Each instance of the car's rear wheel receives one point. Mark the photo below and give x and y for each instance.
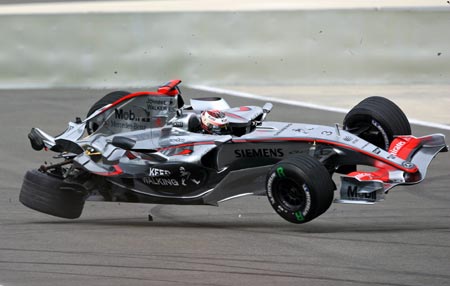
(299, 188)
(111, 97)
(51, 195)
(377, 120)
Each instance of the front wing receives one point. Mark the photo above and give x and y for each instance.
(369, 187)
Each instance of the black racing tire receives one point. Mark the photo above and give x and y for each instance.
(51, 195)
(377, 120)
(299, 188)
(111, 97)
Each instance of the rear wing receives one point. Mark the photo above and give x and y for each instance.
(135, 111)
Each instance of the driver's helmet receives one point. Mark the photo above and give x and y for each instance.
(215, 122)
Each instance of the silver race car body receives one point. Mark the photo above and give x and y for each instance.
(148, 147)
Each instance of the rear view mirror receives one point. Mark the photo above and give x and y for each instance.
(267, 107)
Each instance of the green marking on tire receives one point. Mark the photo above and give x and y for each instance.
(280, 172)
(299, 216)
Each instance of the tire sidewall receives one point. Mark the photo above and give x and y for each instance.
(287, 171)
(381, 114)
(49, 194)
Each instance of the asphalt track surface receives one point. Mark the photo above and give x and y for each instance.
(402, 241)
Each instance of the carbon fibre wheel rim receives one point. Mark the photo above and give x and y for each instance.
(290, 194)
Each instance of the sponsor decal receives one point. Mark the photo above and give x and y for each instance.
(348, 138)
(269, 188)
(280, 172)
(178, 124)
(161, 181)
(158, 104)
(263, 152)
(154, 172)
(177, 140)
(300, 130)
(391, 157)
(352, 193)
(179, 177)
(297, 152)
(128, 115)
(364, 176)
(185, 175)
(126, 125)
(161, 106)
(397, 147)
(308, 199)
(376, 151)
(299, 216)
(283, 129)
(408, 165)
(157, 101)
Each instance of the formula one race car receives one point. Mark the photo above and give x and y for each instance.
(149, 147)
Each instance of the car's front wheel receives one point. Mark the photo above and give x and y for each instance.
(377, 120)
(299, 188)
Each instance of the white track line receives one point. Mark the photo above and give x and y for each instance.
(74, 7)
(303, 104)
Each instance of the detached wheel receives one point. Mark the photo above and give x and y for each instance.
(299, 188)
(107, 99)
(51, 195)
(377, 120)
